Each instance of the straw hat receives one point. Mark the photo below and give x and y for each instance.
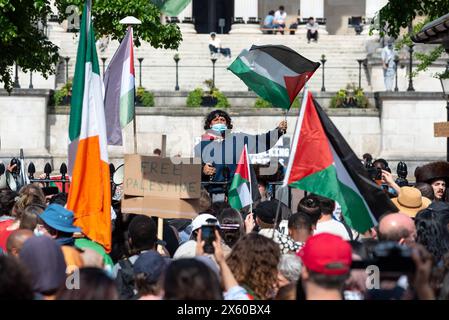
(410, 201)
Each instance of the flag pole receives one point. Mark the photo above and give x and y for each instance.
(134, 129)
(281, 191)
(134, 113)
(250, 180)
(290, 160)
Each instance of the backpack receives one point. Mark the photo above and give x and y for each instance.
(125, 280)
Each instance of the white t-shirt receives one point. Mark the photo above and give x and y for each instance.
(216, 43)
(332, 227)
(279, 17)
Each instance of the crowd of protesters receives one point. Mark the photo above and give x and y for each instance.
(246, 256)
(44, 256)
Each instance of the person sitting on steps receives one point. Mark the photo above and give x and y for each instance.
(215, 47)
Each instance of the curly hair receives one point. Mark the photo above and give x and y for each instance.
(432, 232)
(254, 262)
(32, 189)
(24, 201)
(217, 113)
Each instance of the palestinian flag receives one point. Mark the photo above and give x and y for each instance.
(243, 190)
(119, 85)
(276, 73)
(90, 191)
(322, 162)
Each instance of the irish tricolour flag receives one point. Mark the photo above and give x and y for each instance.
(119, 85)
(321, 162)
(90, 191)
(240, 192)
(276, 73)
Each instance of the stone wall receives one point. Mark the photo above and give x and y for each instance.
(400, 128)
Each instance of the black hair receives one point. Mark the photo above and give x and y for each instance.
(231, 216)
(281, 8)
(7, 201)
(383, 164)
(328, 281)
(171, 238)
(310, 205)
(157, 151)
(432, 231)
(191, 279)
(367, 157)
(310, 18)
(271, 12)
(327, 206)
(144, 287)
(57, 233)
(94, 284)
(15, 282)
(217, 113)
(59, 198)
(142, 232)
(300, 221)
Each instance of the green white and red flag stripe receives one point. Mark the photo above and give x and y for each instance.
(240, 192)
(321, 162)
(119, 81)
(275, 72)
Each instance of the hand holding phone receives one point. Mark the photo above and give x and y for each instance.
(208, 237)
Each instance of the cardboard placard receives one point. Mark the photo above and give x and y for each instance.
(161, 207)
(441, 129)
(159, 177)
(158, 187)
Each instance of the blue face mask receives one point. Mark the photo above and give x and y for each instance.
(220, 127)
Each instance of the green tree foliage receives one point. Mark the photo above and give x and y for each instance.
(108, 13)
(397, 14)
(22, 41)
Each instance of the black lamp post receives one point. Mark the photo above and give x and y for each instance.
(140, 71)
(323, 61)
(410, 69)
(67, 69)
(396, 63)
(213, 71)
(31, 80)
(16, 83)
(360, 61)
(103, 60)
(445, 86)
(176, 58)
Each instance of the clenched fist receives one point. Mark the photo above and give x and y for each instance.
(209, 170)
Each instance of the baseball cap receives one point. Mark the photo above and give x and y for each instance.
(152, 264)
(201, 220)
(327, 254)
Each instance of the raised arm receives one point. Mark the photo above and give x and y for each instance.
(261, 142)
